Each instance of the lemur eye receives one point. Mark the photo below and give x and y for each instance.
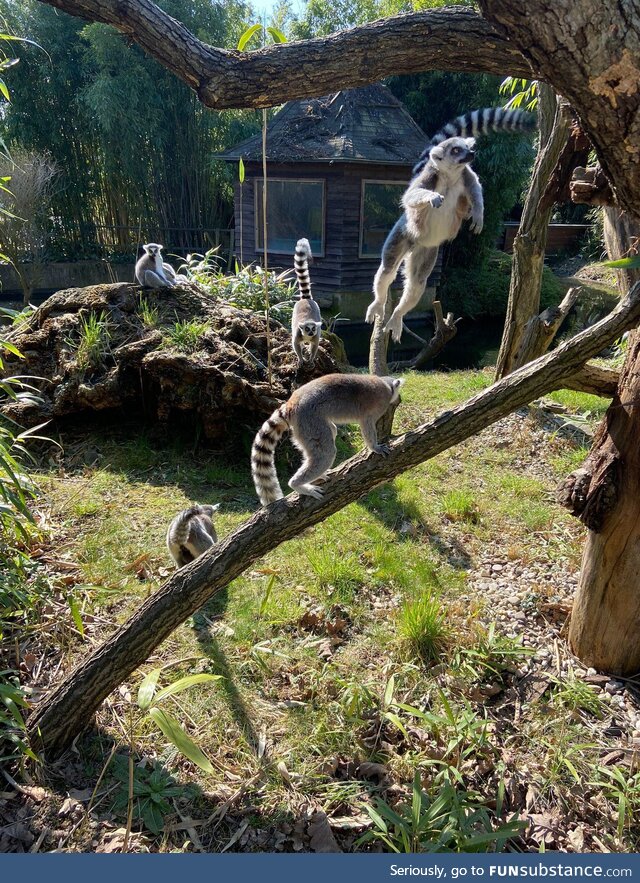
(455, 150)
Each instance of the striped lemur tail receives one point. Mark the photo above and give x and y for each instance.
(301, 262)
(479, 122)
(263, 468)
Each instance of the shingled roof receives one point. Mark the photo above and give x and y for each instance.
(367, 125)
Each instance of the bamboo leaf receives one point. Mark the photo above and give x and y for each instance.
(147, 688)
(278, 36)
(185, 683)
(241, 170)
(177, 736)
(623, 263)
(75, 614)
(248, 34)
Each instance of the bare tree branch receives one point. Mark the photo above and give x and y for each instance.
(455, 39)
(71, 704)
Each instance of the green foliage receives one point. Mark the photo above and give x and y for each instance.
(149, 697)
(148, 313)
(483, 289)
(186, 335)
(93, 343)
(152, 790)
(449, 820)
(133, 141)
(524, 93)
(422, 624)
(245, 287)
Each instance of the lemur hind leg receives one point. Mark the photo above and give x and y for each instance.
(417, 269)
(152, 280)
(393, 251)
(319, 453)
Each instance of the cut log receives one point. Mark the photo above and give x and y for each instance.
(70, 706)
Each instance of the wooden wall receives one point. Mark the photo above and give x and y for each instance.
(340, 268)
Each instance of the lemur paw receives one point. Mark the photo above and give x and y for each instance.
(394, 325)
(436, 200)
(374, 309)
(477, 223)
(384, 450)
(310, 490)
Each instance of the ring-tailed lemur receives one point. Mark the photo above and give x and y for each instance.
(191, 533)
(306, 321)
(311, 414)
(443, 192)
(152, 272)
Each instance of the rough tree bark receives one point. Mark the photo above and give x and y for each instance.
(455, 39)
(531, 238)
(604, 494)
(541, 329)
(69, 707)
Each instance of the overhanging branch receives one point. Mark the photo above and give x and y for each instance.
(60, 717)
(453, 39)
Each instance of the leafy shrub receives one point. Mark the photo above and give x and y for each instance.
(244, 288)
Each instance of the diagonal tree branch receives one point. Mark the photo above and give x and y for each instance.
(63, 714)
(455, 39)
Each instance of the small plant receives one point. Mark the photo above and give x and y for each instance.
(460, 505)
(149, 697)
(92, 345)
(421, 623)
(339, 576)
(148, 313)
(451, 820)
(575, 695)
(490, 655)
(152, 789)
(186, 336)
(13, 731)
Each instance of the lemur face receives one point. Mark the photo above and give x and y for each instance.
(454, 151)
(152, 249)
(310, 330)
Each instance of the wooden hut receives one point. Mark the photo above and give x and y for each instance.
(337, 167)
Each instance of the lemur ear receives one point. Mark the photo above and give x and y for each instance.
(471, 143)
(318, 324)
(437, 153)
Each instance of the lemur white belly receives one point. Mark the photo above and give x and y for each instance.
(443, 222)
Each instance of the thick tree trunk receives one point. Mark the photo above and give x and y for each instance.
(531, 238)
(60, 717)
(605, 494)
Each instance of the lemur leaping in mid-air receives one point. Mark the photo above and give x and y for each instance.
(443, 192)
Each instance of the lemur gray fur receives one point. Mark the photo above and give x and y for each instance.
(312, 414)
(306, 322)
(152, 272)
(191, 533)
(443, 192)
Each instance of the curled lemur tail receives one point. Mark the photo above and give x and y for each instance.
(301, 263)
(263, 468)
(479, 122)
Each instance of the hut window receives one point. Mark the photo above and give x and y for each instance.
(294, 209)
(380, 210)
